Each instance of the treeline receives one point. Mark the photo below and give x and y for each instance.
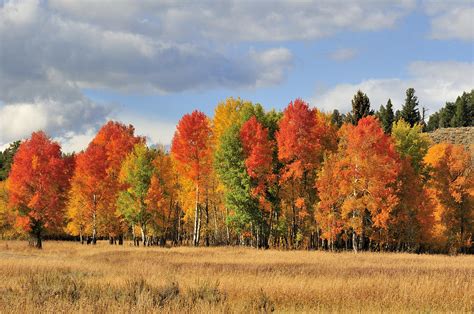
(297, 179)
(454, 114)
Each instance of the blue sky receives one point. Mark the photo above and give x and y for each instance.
(67, 66)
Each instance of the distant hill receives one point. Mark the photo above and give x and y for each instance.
(463, 136)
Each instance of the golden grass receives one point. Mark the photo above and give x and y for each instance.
(68, 277)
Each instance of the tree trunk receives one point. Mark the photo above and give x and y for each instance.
(35, 240)
(215, 224)
(294, 233)
(198, 239)
(133, 235)
(94, 222)
(196, 219)
(207, 221)
(227, 226)
(142, 229)
(354, 241)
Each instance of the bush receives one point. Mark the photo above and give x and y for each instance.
(206, 292)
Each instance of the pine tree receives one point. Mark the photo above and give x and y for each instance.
(446, 115)
(433, 122)
(360, 107)
(336, 118)
(410, 112)
(6, 159)
(398, 115)
(386, 117)
(461, 112)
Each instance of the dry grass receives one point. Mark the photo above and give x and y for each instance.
(68, 277)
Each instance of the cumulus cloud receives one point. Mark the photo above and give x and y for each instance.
(155, 130)
(434, 82)
(76, 141)
(451, 19)
(238, 20)
(18, 120)
(49, 54)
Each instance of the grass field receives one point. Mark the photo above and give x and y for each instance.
(68, 277)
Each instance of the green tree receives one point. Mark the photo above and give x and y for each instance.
(337, 118)
(457, 114)
(360, 108)
(433, 122)
(230, 166)
(411, 143)
(6, 159)
(446, 115)
(136, 174)
(410, 112)
(245, 214)
(386, 117)
(464, 110)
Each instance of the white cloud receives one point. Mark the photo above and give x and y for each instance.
(48, 57)
(76, 142)
(270, 74)
(19, 120)
(451, 19)
(155, 130)
(237, 20)
(343, 54)
(435, 83)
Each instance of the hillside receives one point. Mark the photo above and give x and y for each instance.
(463, 136)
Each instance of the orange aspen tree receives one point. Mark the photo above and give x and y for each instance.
(367, 170)
(38, 184)
(452, 190)
(191, 147)
(96, 179)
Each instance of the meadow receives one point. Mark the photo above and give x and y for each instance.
(70, 277)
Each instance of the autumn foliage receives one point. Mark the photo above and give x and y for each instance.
(358, 193)
(95, 184)
(38, 185)
(292, 179)
(191, 148)
(451, 187)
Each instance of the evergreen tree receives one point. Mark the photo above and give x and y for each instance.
(446, 115)
(360, 107)
(470, 107)
(336, 118)
(6, 159)
(433, 122)
(460, 118)
(410, 112)
(463, 112)
(457, 114)
(386, 117)
(398, 115)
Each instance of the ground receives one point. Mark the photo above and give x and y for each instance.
(69, 277)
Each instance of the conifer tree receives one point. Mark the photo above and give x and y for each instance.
(360, 107)
(410, 112)
(386, 117)
(337, 118)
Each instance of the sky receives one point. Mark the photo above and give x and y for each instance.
(66, 67)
